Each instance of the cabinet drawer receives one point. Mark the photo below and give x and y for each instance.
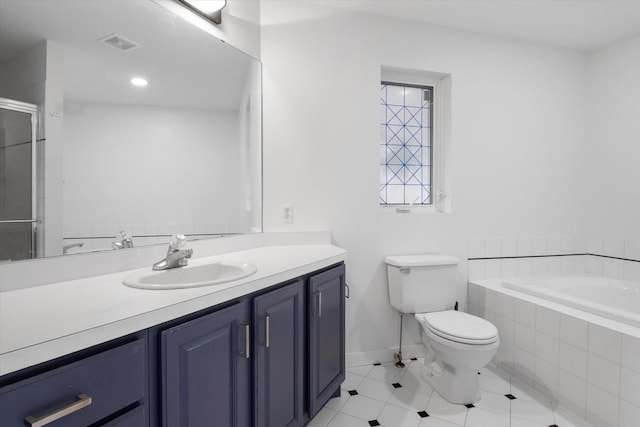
(134, 418)
(111, 381)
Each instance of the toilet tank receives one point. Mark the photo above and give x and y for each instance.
(422, 283)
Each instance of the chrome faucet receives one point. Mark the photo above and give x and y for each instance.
(124, 240)
(176, 255)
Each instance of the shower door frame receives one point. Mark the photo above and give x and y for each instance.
(31, 109)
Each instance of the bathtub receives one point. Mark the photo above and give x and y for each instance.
(611, 298)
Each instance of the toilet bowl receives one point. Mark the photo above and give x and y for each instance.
(457, 345)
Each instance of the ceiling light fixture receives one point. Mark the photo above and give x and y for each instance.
(139, 81)
(208, 9)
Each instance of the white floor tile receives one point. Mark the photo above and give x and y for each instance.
(440, 408)
(521, 422)
(351, 381)
(436, 422)
(363, 371)
(564, 418)
(410, 399)
(387, 373)
(532, 411)
(322, 418)
(494, 384)
(375, 389)
(394, 416)
(479, 417)
(494, 402)
(338, 402)
(362, 407)
(344, 420)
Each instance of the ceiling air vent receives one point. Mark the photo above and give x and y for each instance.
(118, 42)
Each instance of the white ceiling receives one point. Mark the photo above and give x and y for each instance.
(576, 24)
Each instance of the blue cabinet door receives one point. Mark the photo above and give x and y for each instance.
(206, 371)
(278, 318)
(326, 336)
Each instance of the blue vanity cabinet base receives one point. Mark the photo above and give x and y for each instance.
(279, 363)
(115, 380)
(326, 337)
(206, 372)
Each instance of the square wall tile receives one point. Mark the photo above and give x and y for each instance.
(540, 266)
(525, 338)
(596, 245)
(581, 264)
(573, 360)
(525, 313)
(505, 328)
(525, 246)
(493, 269)
(630, 386)
(613, 268)
(602, 405)
(505, 305)
(547, 321)
(554, 266)
(546, 379)
(572, 388)
(510, 267)
(605, 342)
(595, 265)
(524, 267)
(548, 348)
(574, 331)
(632, 249)
(604, 373)
(568, 245)
(630, 357)
(476, 248)
(554, 245)
(629, 415)
(567, 265)
(493, 247)
(476, 270)
(524, 366)
(631, 271)
(539, 245)
(613, 247)
(509, 246)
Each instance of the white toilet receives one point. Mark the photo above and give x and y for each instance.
(457, 344)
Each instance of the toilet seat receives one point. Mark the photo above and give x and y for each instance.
(459, 327)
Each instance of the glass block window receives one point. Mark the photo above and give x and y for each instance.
(406, 138)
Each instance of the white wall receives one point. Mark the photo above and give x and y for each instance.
(116, 157)
(517, 155)
(614, 149)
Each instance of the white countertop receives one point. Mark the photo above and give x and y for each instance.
(44, 322)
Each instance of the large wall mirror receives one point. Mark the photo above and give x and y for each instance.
(181, 154)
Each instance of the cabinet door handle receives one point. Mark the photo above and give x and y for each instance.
(82, 402)
(247, 341)
(267, 328)
(319, 304)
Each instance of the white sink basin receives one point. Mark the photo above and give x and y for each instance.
(191, 276)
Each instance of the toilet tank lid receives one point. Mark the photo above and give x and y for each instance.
(420, 260)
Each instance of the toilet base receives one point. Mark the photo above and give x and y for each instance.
(461, 387)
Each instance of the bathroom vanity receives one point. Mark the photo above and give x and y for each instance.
(265, 351)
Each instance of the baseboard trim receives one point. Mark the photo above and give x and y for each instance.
(384, 355)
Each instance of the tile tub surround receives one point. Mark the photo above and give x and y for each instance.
(588, 364)
(383, 395)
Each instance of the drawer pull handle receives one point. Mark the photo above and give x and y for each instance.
(267, 339)
(247, 341)
(319, 304)
(82, 402)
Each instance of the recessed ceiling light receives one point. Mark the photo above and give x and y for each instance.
(139, 81)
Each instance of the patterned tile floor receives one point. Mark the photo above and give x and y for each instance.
(383, 395)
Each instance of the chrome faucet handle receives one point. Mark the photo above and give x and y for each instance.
(124, 240)
(177, 242)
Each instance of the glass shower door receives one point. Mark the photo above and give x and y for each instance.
(18, 223)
